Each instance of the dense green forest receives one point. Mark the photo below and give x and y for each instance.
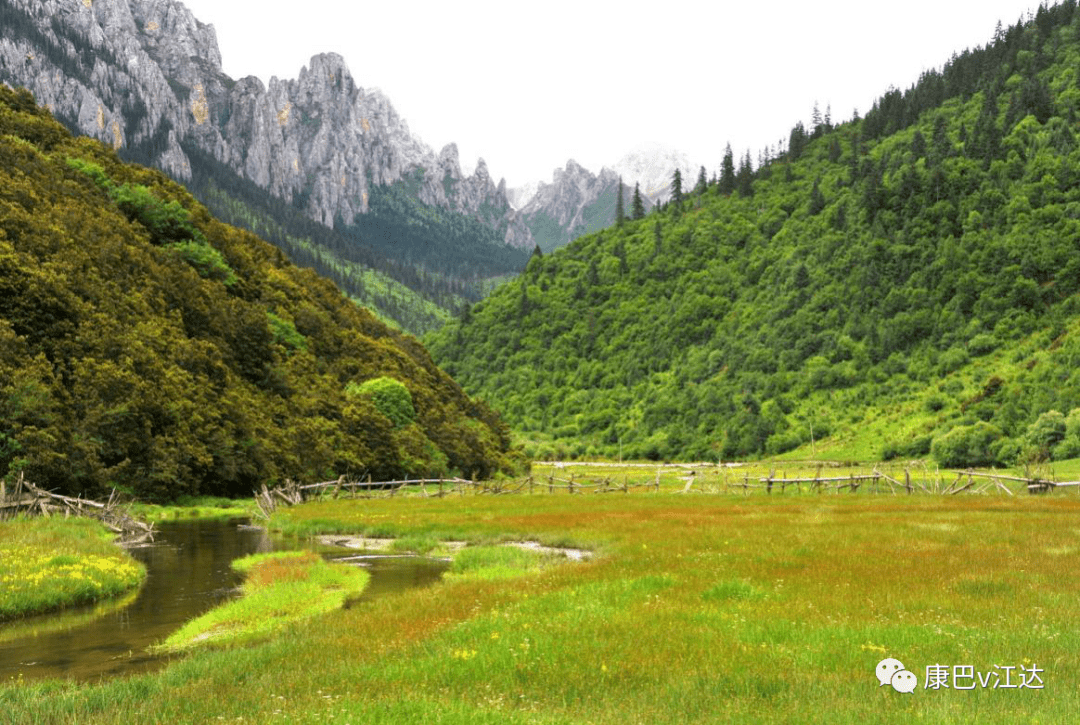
(146, 346)
(900, 284)
(399, 292)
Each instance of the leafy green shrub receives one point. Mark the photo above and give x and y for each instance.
(1007, 451)
(1046, 432)
(166, 221)
(390, 396)
(94, 171)
(1069, 446)
(914, 448)
(952, 360)
(982, 344)
(285, 332)
(782, 443)
(207, 261)
(418, 455)
(968, 445)
(934, 403)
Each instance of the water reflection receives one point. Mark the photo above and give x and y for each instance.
(188, 573)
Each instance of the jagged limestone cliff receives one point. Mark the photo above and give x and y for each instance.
(576, 202)
(145, 75)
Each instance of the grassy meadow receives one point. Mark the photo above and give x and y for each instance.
(694, 609)
(48, 564)
(279, 588)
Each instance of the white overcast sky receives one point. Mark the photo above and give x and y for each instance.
(527, 86)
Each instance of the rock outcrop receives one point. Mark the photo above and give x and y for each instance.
(145, 75)
(575, 203)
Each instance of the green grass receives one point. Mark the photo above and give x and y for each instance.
(423, 545)
(196, 507)
(757, 609)
(281, 588)
(51, 563)
(496, 562)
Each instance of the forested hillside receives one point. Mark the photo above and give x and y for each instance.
(147, 346)
(896, 285)
(402, 293)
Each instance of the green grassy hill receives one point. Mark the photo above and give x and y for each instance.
(147, 346)
(897, 285)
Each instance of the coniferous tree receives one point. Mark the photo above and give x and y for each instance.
(702, 182)
(676, 187)
(797, 141)
(817, 199)
(637, 207)
(727, 172)
(620, 213)
(745, 178)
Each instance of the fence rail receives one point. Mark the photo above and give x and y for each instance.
(26, 499)
(696, 479)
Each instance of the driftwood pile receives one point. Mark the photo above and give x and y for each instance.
(26, 499)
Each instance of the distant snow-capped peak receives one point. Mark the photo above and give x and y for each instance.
(652, 166)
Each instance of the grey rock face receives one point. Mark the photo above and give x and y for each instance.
(156, 79)
(576, 202)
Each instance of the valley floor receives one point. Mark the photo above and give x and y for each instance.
(693, 609)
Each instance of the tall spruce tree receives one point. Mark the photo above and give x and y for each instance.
(745, 178)
(702, 182)
(727, 172)
(676, 187)
(637, 206)
(620, 212)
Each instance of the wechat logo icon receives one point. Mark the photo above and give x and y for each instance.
(892, 672)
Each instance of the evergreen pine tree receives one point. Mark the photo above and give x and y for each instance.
(745, 177)
(637, 207)
(817, 199)
(676, 187)
(702, 182)
(797, 141)
(727, 172)
(620, 212)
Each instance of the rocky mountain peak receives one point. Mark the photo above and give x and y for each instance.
(326, 74)
(157, 84)
(171, 35)
(576, 202)
(481, 172)
(449, 161)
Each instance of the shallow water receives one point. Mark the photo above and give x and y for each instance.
(188, 573)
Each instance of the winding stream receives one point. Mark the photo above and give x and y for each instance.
(187, 574)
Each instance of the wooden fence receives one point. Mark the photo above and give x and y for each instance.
(700, 479)
(26, 499)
